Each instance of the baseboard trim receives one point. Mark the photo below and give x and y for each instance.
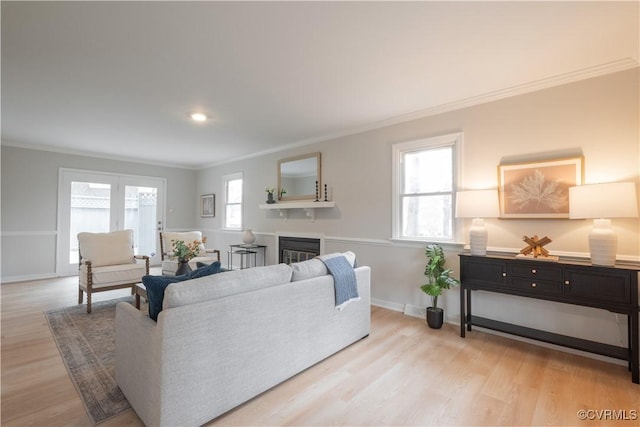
(28, 278)
(420, 312)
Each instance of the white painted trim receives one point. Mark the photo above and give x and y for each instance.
(387, 304)
(561, 79)
(82, 153)
(420, 312)
(28, 233)
(29, 277)
(615, 66)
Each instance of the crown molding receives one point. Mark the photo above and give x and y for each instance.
(562, 79)
(82, 153)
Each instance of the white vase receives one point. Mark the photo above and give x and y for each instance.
(248, 237)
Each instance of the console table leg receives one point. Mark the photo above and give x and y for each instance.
(468, 320)
(634, 342)
(463, 316)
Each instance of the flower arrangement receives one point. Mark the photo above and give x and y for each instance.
(282, 192)
(270, 190)
(186, 251)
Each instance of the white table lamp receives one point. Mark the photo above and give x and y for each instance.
(477, 204)
(601, 202)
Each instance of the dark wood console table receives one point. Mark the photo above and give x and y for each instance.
(608, 288)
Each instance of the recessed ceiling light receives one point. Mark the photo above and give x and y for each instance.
(198, 117)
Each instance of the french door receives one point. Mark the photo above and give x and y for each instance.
(98, 203)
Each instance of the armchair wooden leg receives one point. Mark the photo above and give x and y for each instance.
(80, 295)
(88, 302)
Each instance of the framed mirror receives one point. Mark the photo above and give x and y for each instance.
(298, 176)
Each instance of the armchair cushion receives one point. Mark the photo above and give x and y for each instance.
(107, 248)
(112, 275)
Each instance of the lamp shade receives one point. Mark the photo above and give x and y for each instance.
(477, 204)
(603, 201)
(610, 200)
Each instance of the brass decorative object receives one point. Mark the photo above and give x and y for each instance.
(535, 248)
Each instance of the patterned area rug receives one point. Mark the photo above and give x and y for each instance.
(87, 345)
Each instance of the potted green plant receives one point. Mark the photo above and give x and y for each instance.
(439, 278)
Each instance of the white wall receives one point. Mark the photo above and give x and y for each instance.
(597, 118)
(30, 203)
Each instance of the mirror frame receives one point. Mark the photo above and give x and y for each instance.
(317, 156)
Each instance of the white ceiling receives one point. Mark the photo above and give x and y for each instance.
(117, 79)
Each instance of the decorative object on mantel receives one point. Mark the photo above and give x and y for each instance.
(477, 204)
(439, 279)
(248, 237)
(270, 191)
(317, 193)
(282, 192)
(535, 249)
(601, 202)
(326, 199)
(538, 189)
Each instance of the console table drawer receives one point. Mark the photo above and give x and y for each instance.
(536, 286)
(536, 272)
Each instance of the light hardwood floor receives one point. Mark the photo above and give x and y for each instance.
(402, 374)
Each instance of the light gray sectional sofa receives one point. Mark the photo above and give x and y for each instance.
(222, 339)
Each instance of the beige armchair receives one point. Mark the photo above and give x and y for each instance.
(107, 262)
(170, 263)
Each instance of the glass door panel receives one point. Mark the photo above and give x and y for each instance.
(141, 215)
(90, 212)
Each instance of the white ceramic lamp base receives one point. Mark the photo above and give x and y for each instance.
(478, 237)
(603, 243)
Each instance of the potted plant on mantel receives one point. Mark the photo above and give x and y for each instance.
(439, 279)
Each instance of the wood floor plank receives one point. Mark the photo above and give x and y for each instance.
(403, 374)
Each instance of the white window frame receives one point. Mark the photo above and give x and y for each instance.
(453, 140)
(225, 182)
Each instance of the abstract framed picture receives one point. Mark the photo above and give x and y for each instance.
(538, 189)
(208, 205)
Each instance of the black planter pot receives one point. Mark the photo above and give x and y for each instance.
(183, 268)
(435, 317)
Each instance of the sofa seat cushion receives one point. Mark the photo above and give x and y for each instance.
(112, 275)
(222, 285)
(107, 248)
(169, 266)
(156, 285)
(315, 267)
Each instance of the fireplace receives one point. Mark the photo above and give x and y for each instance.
(295, 249)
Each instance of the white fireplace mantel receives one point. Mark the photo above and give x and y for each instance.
(308, 206)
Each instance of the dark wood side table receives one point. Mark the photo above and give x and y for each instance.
(608, 288)
(140, 291)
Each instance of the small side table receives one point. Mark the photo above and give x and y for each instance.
(244, 253)
(140, 291)
(246, 250)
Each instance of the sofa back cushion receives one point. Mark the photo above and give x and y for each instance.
(107, 248)
(156, 285)
(315, 267)
(186, 236)
(225, 284)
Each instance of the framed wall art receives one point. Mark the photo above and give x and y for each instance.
(538, 189)
(208, 205)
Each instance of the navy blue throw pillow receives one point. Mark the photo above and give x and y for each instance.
(157, 284)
